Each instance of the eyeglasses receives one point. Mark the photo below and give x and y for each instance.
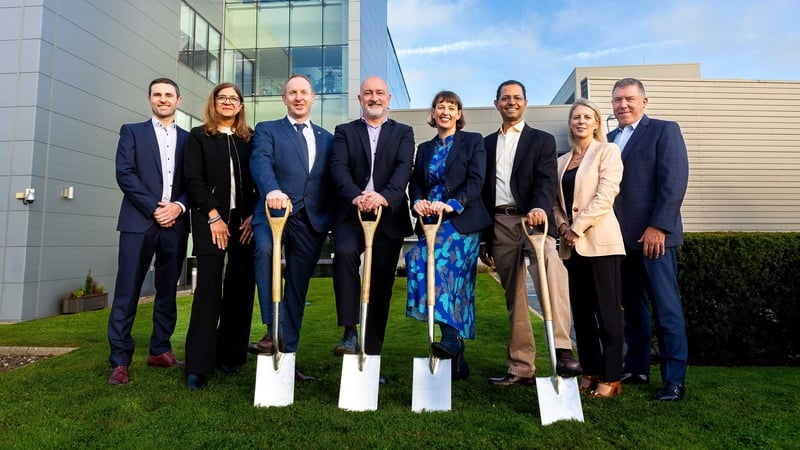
(232, 100)
(508, 98)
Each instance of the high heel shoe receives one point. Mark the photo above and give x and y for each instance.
(588, 383)
(607, 389)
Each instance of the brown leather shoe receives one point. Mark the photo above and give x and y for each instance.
(510, 379)
(119, 375)
(265, 346)
(566, 366)
(588, 383)
(166, 359)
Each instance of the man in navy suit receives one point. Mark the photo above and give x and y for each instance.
(152, 221)
(521, 181)
(648, 208)
(290, 163)
(371, 165)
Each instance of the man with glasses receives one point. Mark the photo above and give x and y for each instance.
(290, 163)
(521, 181)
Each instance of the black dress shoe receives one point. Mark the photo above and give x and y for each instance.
(300, 376)
(509, 380)
(629, 378)
(196, 382)
(448, 349)
(566, 366)
(348, 345)
(670, 392)
(231, 370)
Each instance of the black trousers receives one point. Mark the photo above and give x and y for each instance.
(348, 244)
(219, 328)
(595, 293)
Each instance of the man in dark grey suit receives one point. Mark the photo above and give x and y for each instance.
(370, 166)
(290, 163)
(521, 181)
(648, 208)
(149, 164)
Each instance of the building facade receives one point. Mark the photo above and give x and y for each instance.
(77, 70)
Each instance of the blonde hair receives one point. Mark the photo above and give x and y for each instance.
(212, 120)
(599, 134)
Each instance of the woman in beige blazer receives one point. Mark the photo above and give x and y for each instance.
(592, 247)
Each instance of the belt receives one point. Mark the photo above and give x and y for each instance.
(507, 210)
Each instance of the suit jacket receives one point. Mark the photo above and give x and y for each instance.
(652, 189)
(465, 169)
(280, 161)
(138, 163)
(533, 175)
(350, 170)
(596, 184)
(207, 169)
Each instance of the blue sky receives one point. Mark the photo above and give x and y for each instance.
(470, 46)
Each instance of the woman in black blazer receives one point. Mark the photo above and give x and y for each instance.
(447, 178)
(222, 197)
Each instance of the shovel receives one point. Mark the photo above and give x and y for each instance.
(275, 374)
(361, 373)
(558, 397)
(432, 376)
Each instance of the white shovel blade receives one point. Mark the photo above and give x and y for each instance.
(561, 404)
(358, 390)
(432, 391)
(274, 387)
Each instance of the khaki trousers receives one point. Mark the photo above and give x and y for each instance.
(509, 249)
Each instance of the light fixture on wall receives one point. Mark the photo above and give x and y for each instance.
(68, 192)
(27, 197)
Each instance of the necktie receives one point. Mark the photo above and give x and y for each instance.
(299, 127)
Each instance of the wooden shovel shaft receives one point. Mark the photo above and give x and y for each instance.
(276, 224)
(537, 242)
(430, 231)
(369, 227)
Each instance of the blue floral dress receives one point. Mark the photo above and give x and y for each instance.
(456, 257)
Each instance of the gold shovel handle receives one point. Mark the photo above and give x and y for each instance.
(430, 230)
(276, 224)
(537, 242)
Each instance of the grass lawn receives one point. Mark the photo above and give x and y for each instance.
(64, 402)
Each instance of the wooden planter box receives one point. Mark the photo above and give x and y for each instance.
(85, 303)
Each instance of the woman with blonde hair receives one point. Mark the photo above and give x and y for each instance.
(592, 247)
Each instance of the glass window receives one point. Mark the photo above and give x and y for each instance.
(272, 70)
(200, 44)
(214, 46)
(187, 35)
(240, 26)
(332, 109)
(273, 25)
(333, 71)
(308, 61)
(304, 25)
(269, 108)
(334, 25)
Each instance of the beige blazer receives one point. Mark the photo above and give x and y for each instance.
(596, 186)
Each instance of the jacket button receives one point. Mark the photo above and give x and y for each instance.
(574, 209)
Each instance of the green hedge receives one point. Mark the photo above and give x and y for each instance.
(741, 298)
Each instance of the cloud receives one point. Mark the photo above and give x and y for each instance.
(446, 48)
(613, 51)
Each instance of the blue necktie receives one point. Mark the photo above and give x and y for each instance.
(299, 127)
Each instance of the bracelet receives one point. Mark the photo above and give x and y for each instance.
(216, 218)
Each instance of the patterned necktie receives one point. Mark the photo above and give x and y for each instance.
(299, 127)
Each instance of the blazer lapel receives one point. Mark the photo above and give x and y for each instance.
(458, 140)
(147, 129)
(522, 144)
(638, 132)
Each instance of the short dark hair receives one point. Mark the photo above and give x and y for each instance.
(625, 82)
(449, 97)
(163, 81)
(508, 83)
